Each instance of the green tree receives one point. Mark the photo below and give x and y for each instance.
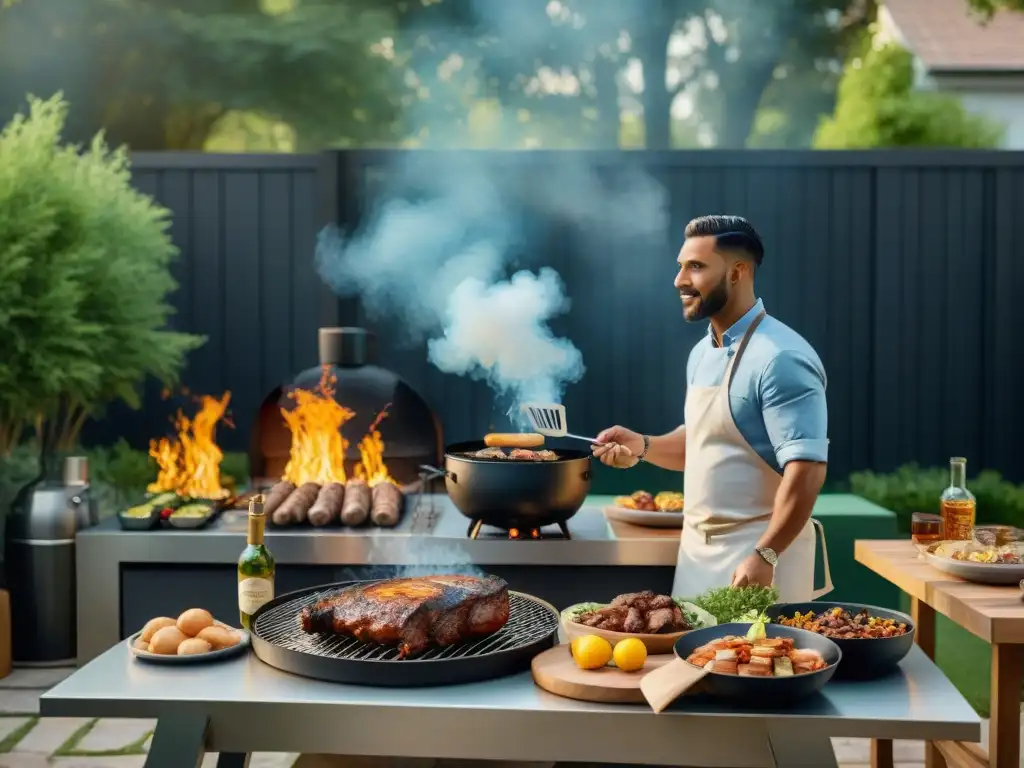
(84, 281)
(159, 75)
(878, 106)
(989, 7)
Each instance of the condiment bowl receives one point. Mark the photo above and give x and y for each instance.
(863, 658)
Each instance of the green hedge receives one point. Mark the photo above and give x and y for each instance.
(915, 489)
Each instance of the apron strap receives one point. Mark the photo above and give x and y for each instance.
(731, 367)
(820, 530)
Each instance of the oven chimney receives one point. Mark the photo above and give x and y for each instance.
(347, 347)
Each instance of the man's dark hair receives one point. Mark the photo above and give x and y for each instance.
(733, 232)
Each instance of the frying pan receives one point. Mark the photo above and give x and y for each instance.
(516, 494)
(662, 686)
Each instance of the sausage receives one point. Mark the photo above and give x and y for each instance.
(328, 504)
(296, 506)
(387, 505)
(356, 507)
(281, 491)
(514, 440)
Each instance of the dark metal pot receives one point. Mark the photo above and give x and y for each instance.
(864, 658)
(764, 692)
(516, 494)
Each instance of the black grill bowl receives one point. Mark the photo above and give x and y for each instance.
(278, 640)
(771, 692)
(863, 659)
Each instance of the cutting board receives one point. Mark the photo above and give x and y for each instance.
(556, 672)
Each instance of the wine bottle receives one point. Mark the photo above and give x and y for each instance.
(255, 567)
(957, 505)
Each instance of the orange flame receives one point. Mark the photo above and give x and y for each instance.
(318, 448)
(371, 450)
(189, 463)
(317, 453)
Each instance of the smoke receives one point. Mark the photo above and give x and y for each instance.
(438, 255)
(419, 555)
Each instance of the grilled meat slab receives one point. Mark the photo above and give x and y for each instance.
(412, 613)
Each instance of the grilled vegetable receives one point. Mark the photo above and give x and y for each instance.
(194, 509)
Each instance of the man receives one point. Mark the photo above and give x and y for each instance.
(753, 442)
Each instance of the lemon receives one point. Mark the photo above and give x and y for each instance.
(591, 651)
(630, 655)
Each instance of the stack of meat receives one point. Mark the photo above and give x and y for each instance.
(637, 613)
(351, 503)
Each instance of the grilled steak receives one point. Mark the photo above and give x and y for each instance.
(413, 613)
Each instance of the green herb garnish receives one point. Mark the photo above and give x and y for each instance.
(729, 604)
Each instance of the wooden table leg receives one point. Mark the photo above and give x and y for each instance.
(1004, 726)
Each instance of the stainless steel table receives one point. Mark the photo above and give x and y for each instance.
(242, 706)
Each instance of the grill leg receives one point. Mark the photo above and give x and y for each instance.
(178, 742)
(233, 760)
(474, 528)
(565, 530)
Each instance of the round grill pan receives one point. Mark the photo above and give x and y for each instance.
(278, 640)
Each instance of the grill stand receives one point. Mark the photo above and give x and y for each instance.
(180, 740)
(476, 525)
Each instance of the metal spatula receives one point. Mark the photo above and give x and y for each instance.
(549, 419)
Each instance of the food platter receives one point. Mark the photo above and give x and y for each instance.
(200, 658)
(982, 573)
(655, 643)
(644, 518)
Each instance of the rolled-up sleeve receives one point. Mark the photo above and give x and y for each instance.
(795, 411)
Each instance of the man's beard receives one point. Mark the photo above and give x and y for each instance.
(706, 306)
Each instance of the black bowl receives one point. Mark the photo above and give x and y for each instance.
(863, 658)
(761, 692)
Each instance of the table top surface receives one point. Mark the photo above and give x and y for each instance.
(993, 613)
(917, 701)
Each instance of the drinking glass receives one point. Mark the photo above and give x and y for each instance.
(925, 530)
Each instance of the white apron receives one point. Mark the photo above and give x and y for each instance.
(729, 492)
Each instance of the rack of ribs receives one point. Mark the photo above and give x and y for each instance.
(413, 613)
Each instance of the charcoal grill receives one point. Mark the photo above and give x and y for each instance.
(278, 640)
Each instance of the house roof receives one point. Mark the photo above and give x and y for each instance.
(946, 36)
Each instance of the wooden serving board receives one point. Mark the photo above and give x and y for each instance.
(555, 671)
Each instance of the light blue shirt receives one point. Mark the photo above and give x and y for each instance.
(777, 395)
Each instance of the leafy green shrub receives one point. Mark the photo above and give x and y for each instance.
(914, 489)
(84, 281)
(879, 105)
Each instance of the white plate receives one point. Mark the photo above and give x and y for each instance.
(644, 518)
(195, 658)
(983, 573)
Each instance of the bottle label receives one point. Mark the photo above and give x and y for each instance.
(253, 593)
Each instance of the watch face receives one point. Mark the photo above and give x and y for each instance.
(769, 555)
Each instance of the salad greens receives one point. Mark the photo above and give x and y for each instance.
(729, 604)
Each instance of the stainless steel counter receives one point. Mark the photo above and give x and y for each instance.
(432, 533)
(491, 721)
(593, 542)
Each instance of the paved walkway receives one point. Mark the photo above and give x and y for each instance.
(28, 741)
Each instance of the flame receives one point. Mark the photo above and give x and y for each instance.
(318, 449)
(189, 463)
(371, 468)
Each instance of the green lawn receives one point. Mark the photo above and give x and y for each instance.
(964, 658)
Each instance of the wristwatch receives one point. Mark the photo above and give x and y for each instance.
(769, 555)
(647, 444)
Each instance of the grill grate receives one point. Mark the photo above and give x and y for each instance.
(530, 621)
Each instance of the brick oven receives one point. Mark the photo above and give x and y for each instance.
(411, 432)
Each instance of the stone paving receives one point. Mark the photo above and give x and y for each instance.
(28, 741)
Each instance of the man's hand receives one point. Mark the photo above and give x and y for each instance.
(619, 447)
(754, 570)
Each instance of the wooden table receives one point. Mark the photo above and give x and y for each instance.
(995, 614)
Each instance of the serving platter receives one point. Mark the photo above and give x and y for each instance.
(981, 573)
(654, 643)
(644, 518)
(196, 658)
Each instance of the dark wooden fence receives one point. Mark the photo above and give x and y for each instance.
(903, 269)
